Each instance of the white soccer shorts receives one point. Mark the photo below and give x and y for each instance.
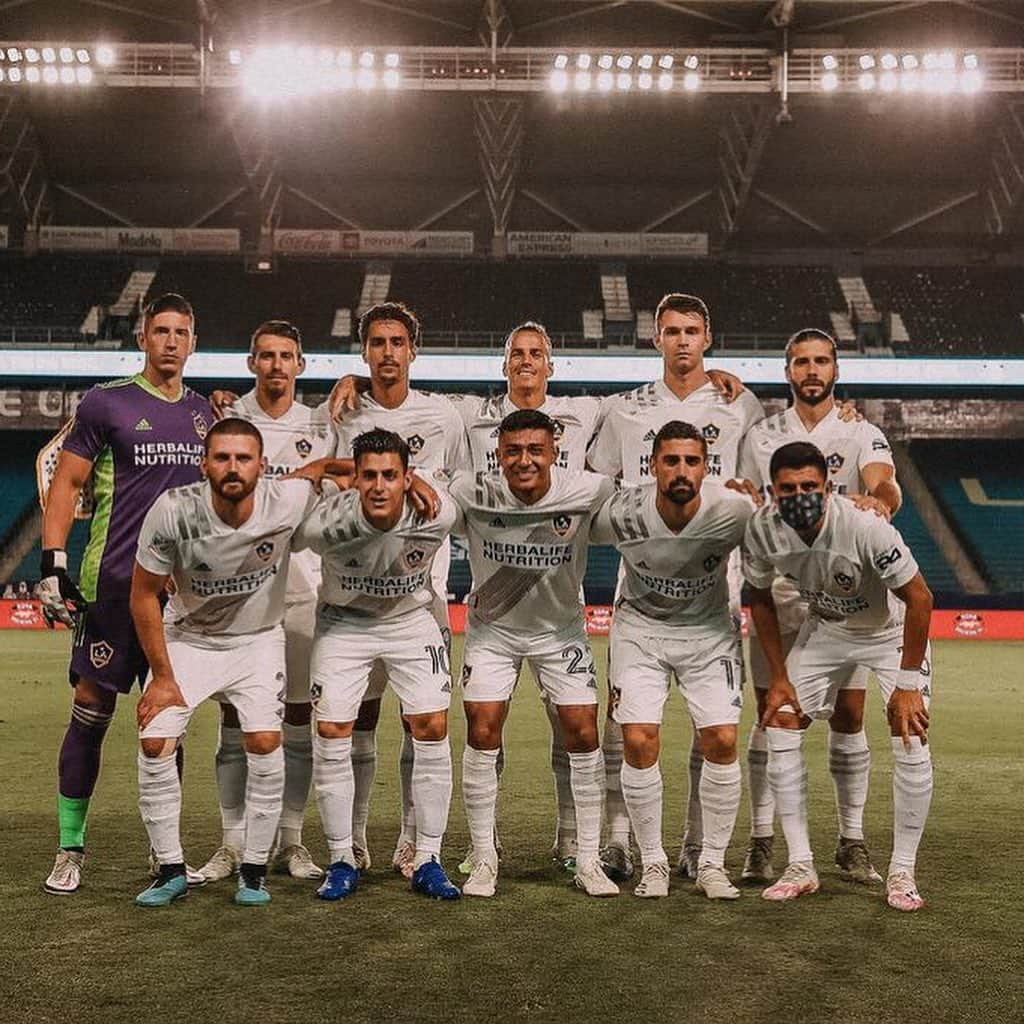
(299, 624)
(822, 657)
(856, 677)
(708, 669)
(562, 664)
(410, 652)
(250, 675)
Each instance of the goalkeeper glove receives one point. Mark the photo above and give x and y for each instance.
(62, 600)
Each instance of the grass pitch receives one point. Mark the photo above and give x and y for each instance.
(540, 951)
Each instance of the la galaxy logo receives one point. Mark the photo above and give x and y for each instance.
(835, 462)
(199, 422)
(100, 654)
(561, 525)
(414, 557)
(711, 562)
(559, 429)
(265, 550)
(710, 433)
(303, 446)
(844, 581)
(415, 444)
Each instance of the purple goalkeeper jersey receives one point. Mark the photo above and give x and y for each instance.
(140, 444)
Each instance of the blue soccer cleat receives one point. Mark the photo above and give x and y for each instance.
(252, 886)
(430, 880)
(166, 888)
(341, 881)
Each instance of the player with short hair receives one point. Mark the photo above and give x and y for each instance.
(848, 564)
(376, 610)
(622, 450)
(528, 529)
(672, 617)
(226, 544)
(293, 435)
(860, 466)
(134, 438)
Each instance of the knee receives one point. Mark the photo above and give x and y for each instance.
(848, 716)
(579, 724)
(158, 747)
(483, 728)
(261, 742)
(298, 714)
(641, 745)
(333, 730)
(718, 744)
(428, 728)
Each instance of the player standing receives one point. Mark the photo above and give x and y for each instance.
(136, 438)
(672, 618)
(845, 562)
(860, 466)
(293, 435)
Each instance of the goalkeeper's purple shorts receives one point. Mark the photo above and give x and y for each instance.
(105, 648)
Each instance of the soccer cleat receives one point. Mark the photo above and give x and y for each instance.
(901, 892)
(341, 880)
(430, 880)
(565, 856)
(757, 866)
(362, 857)
(483, 879)
(66, 876)
(689, 860)
(252, 886)
(403, 857)
(714, 883)
(192, 877)
(591, 878)
(798, 879)
(469, 861)
(616, 863)
(854, 862)
(223, 864)
(297, 862)
(169, 885)
(653, 882)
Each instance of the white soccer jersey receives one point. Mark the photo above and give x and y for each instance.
(847, 447)
(527, 561)
(845, 575)
(300, 436)
(229, 582)
(623, 444)
(576, 419)
(370, 573)
(673, 580)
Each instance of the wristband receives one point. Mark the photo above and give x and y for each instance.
(53, 559)
(908, 679)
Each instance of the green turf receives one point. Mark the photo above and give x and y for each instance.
(540, 951)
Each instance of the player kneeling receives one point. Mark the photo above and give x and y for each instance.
(225, 544)
(375, 610)
(672, 618)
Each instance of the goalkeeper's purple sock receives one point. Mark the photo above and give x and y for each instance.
(79, 768)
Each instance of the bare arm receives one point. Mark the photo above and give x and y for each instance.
(880, 480)
(147, 615)
(906, 711)
(769, 636)
(71, 476)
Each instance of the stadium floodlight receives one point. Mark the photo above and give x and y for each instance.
(910, 62)
(1, 75)
(665, 81)
(14, 75)
(31, 54)
(691, 81)
(67, 55)
(13, 54)
(67, 76)
(930, 61)
(625, 61)
(234, 57)
(971, 61)
(666, 62)
(692, 62)
(344, 58)
(581, 83)
(583, 61)
(645, 80)
(972, 81)
(645, 62)
(910, 81)
(105, 55)
(391, 79)
(605, 81)
(889, 61)
(366, 79)
(866, 81)
(888, 81)
(84, 75)
(624, 81)
(32, 75)
(366, 59)
(561, 62)
(392, 60)
(51, 76)
(867, 62)
(829, 81)
(83, 56)
(605, 61)
(49, 55)
(829, 62)
(559, 80)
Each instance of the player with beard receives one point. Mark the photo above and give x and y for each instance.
(226, 544)
(860, 467)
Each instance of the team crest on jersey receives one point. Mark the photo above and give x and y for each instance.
(559, 429)
(467, 671)
(265, 550)
(415, 444)
(414, 558)
(315, 691)
(835, 462)
(199, 422)
(710, 433)
(844, 581)
(711, 562)
(562, 525)
(303, 446)
(100, 654)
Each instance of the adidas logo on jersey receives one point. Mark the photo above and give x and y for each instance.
(642, 565)
(352, 563)
(202, 567)
(497, 522)
(649, 436)
(143, 424)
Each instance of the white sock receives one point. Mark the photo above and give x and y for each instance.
(364, 768)
(160, 806)
(432, 794)
(911, 797)
(762, 803)
(642, 789)
(587, 777)
(849, 761)
(693, 833)
(720, 800)
(565, 830)
(616, 815)
(480, 795)
(231, 770)
(405, 762)
(787, 775)
(263, 793)
(297, 741)
(335, 787)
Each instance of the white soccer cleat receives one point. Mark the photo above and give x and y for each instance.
(653, 882)
(689, 860)
(483, 880)
(901, 892)
(798, 879)
(592, 880)
(361, 855)
(192, 877)
(66, 876)
(714, 883)
(223, 864)
(298, 862)
(404, 857)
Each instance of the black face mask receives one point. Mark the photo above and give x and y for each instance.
(802, 511)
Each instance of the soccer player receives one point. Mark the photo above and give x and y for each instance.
(846, 562)
(860, 466)
(622, 449)
(528, 530)
(293, 435)
(433, 432)
(672, 618)
(136, 438)
(376, 610)
(226, 544)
